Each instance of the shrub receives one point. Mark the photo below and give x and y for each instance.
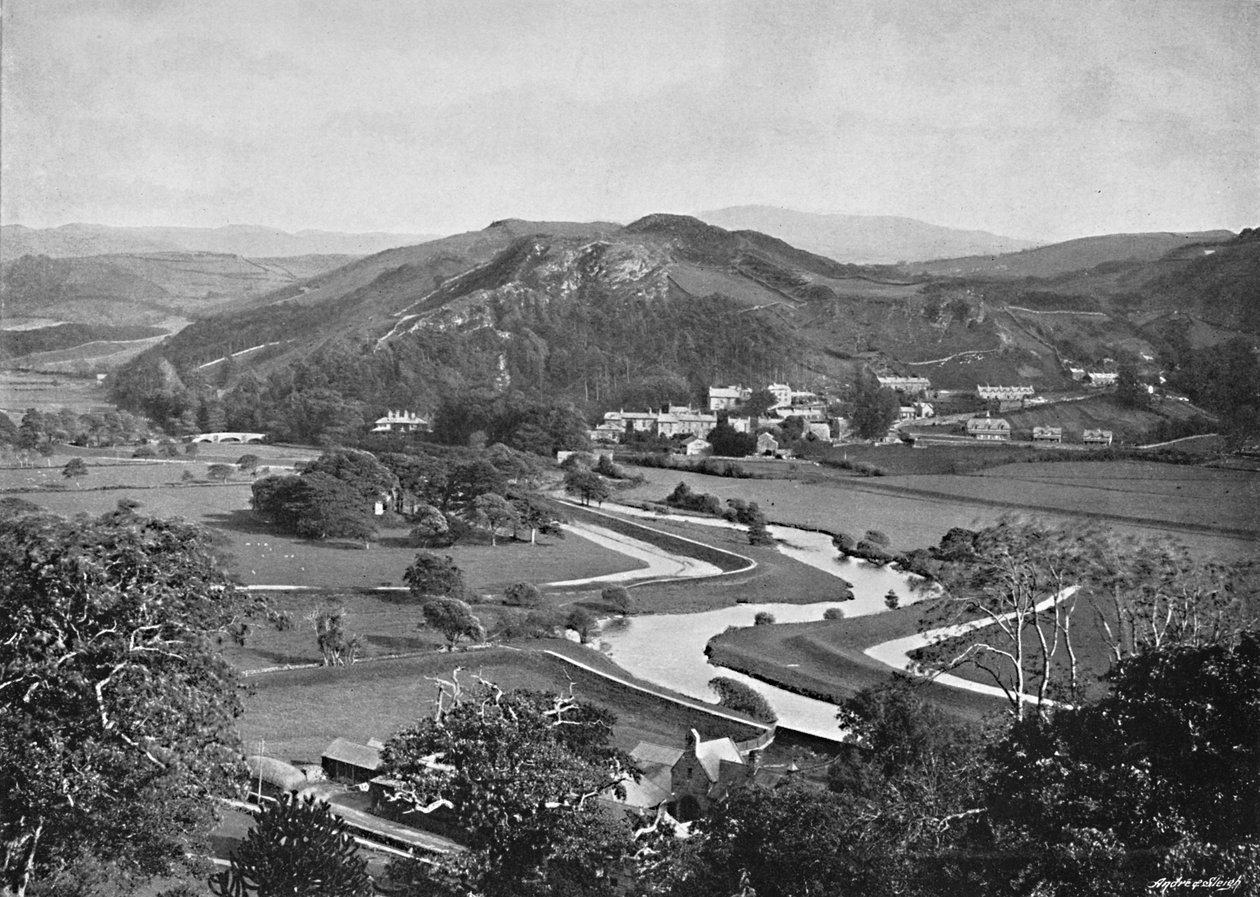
(144, 451)
(582, 622)
(735, 695)
(617, 597)
(683, 498)
(833, 613)
(522, 594)
(891, 601)
(763, 618)
(879, 537)
(844, 542)
(758, 534)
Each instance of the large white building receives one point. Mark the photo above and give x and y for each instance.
(908, 385)
(400, 422)
(724, 398)
(1004, 393)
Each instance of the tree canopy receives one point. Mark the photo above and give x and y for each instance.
(118, 722)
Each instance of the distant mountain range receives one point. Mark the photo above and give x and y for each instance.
(863, 239)
(250, 241)
(1072, 255)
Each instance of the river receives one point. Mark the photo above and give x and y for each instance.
(668, 649)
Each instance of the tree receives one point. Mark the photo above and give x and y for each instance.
(522, 594)
(314, 505)
(874, 408)
(248, 463)
(727, 442)
(833, 613)
(454, 619)
(582, 622)
(337, 646)
(431, 576)
(735, 695)
(297, 847)
(587, 486)
(432, 529)
(519, 771)
(1131, 391)
(758, 403)
(617, 597)
(538, 515)
(191, 449)
(74, 469)
(758, 534)
(368, 477)
(118, 725)
(1156, 780)
(493, 512)
(221, 472)
(891, 601)
(763, 618)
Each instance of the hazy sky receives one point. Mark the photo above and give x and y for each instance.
(1045, 119)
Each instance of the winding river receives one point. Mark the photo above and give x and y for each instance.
(668, 649)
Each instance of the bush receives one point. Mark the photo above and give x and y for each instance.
(617, 597)
(879, 537)
(891, 601)
(735, 695)
(144, 451)
(833, 613)
(758, 534)
(844, 543)
(522, 594)
(763, 618)
(684, 499)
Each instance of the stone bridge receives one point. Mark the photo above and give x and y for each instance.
(216, 438)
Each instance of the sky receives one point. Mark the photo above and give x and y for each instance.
(1043, 120)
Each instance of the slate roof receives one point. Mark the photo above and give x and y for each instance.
(712, 753)
(352, 753)
(645, 752)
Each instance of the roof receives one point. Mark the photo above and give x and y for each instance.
(645, 752)
(725, 392)
(274, 772)
(712, 753)
(645, 793)
(988, 423)
(352, 753)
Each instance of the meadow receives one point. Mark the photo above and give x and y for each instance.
(1218, 516)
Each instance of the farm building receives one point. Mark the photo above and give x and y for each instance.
(349, 761)
(989, 428)
(767, 444)
(696, 446)
(1047, 434)
(908, 385)
(1096, 437)
(1004, 393)
(1099, 379)
(685, 781)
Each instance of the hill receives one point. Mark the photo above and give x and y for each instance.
(863, 239)
(1071, 255)
(610, 316)
(73, 240)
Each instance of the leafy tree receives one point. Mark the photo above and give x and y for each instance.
(314, 505)
(538, 515)
(118, 723)
(432, 576)
(735, 695)
(248, 463)
(757, 404)
(874, 408)
(337, 646)
(8, 430)
(782, 842)
(520, 772)
(763, 618)
(727, 442)
(431, 529)
(891, 601)
(879, 537)
(758, 534)
(219, 472)
(587, 486)
(371, 479)
(833, 613)
(191, 449)
(493, 512)
(1156, 780)
(844, 543)
(1130, 391)
(581, 621)
(144, 451)
(522, 594)
(74, 469)
(454, 619)
(618, 598)
(297, 847)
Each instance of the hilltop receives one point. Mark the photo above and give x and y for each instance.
(863, 239)
(76, 240)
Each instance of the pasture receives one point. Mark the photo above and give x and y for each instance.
(1218, 516)
(298, 712)
(20, 390)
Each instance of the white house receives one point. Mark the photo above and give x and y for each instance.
(1004, 393)
(908, 385)
(1047, 434)
(1096, 437)
(697, 446)
(782, 393)
(767, 444)
(1101, 378)
(400, 422)
(724, 398)
(992, 429)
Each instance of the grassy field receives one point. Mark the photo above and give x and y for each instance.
(20, 390)
(297, 713)
(915, 516)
